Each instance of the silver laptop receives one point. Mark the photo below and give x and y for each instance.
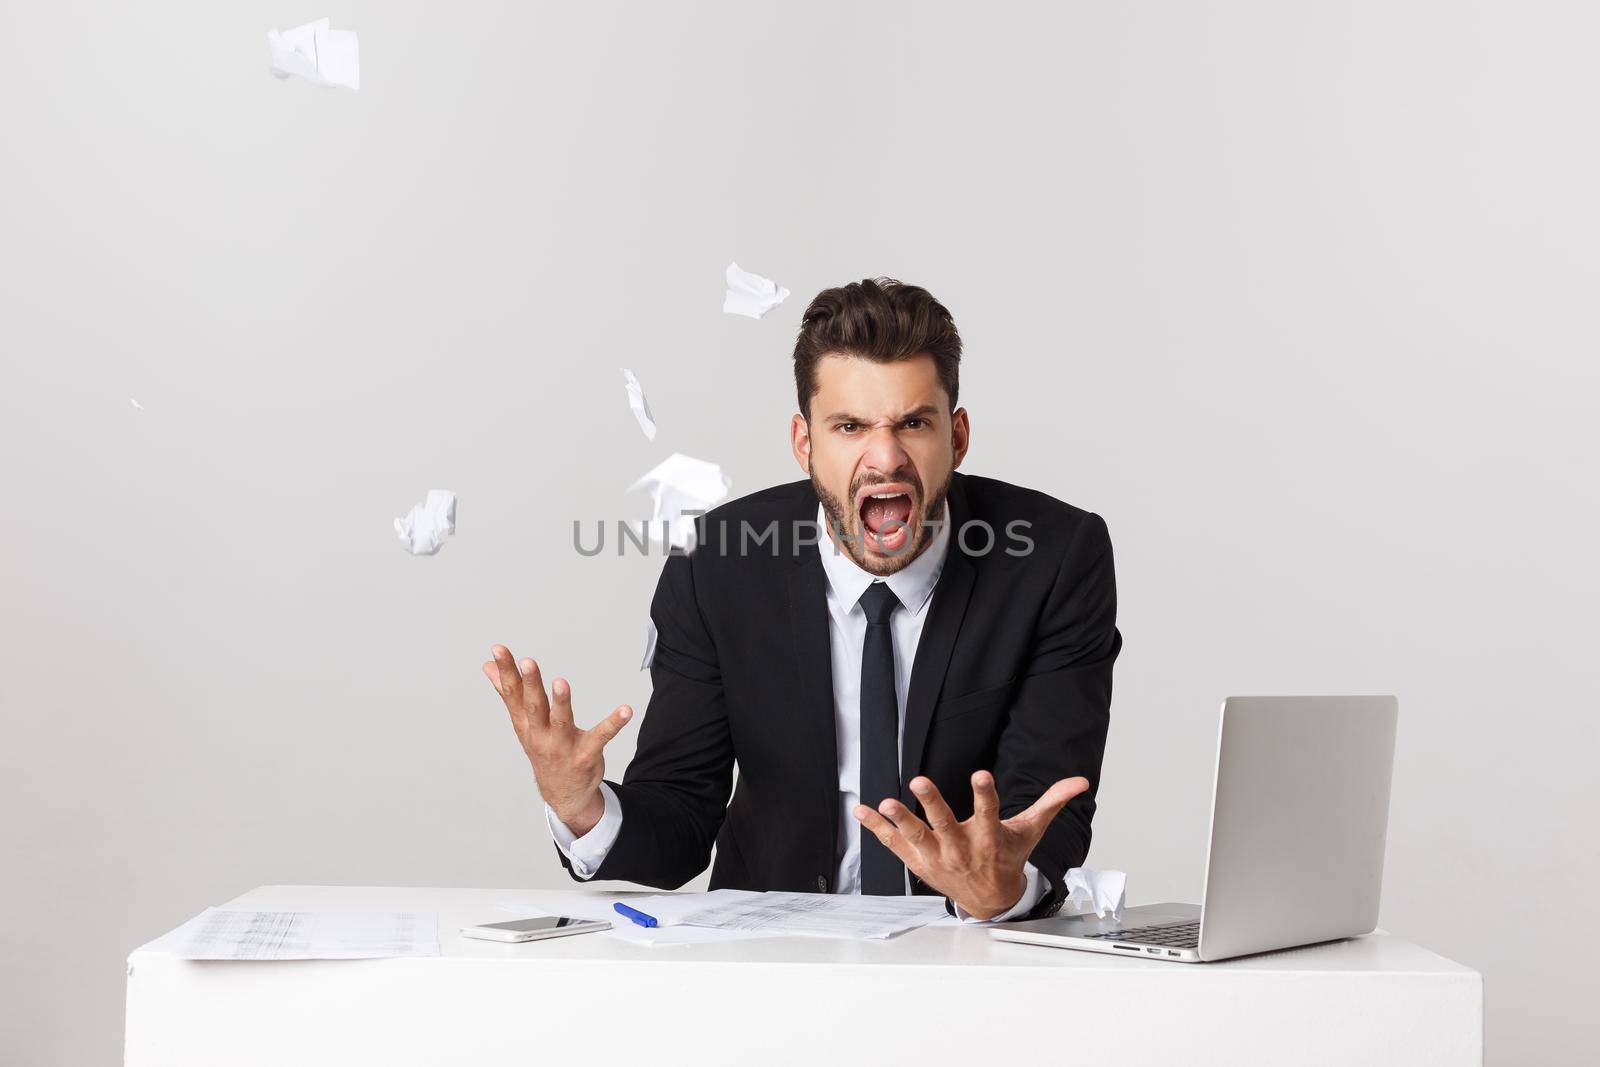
(1298, 820)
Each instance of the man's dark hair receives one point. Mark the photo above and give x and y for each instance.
(878, 319)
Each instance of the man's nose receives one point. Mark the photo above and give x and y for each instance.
(884, 453)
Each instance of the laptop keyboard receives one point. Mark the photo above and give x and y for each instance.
(1168, 935)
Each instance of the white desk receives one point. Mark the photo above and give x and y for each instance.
(934, 996)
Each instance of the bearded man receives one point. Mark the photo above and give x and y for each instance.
(916, 700)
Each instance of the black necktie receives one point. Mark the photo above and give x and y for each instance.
(882, 873)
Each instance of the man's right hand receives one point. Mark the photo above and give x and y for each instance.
(568, 762)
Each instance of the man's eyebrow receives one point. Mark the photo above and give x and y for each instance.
(922, 411)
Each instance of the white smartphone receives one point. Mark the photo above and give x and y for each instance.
(535, 929)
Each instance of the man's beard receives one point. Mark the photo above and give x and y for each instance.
(854, 545)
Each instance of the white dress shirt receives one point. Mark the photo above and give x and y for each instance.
(913, 585)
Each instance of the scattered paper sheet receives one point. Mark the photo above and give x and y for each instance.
(665, 907)
(649, 644)
(1100, 892)
(681, 483)
(813, 914)
(751, 294)
(423, 529)
(136, 405)
(640, 406)
(219, 934)
(319, 54)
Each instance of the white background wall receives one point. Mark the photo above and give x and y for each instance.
(1300, 297)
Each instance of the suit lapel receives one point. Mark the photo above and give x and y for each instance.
(938, 638)
(808, 621)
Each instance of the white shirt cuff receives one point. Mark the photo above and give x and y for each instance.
(1032, 892)
(588, 852)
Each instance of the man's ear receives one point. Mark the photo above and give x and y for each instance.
(800, 442)
(960, 435)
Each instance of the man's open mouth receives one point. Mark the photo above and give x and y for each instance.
(886, 516)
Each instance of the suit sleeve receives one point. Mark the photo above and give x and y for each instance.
(675, 791)
(1057, 728)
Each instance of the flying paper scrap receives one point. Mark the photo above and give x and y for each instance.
(649, 643)
(640, 406)
(681, 483)
(423, 530)
(322, 56)
(751, 294)
(137, 406)
(1100, 892)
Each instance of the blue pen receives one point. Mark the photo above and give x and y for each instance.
(637, 916)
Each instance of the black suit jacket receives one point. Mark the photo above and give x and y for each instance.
(1012, 673)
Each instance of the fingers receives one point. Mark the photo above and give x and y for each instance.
(505, 677)
(521, 687)
(912, 830)
(985, 801)
(1036, 819)
(607, 729)
(560, 703)
(508, 683)
(940, 817)
(885, 831)
(533, 695)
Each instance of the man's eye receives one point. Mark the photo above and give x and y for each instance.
(847, 427)
(915, 424)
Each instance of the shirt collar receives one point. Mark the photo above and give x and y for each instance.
(912, 584)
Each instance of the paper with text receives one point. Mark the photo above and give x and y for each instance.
(815, 914)
(227, 934)
(664, 907)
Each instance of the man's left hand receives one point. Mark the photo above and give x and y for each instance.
(977, 863)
